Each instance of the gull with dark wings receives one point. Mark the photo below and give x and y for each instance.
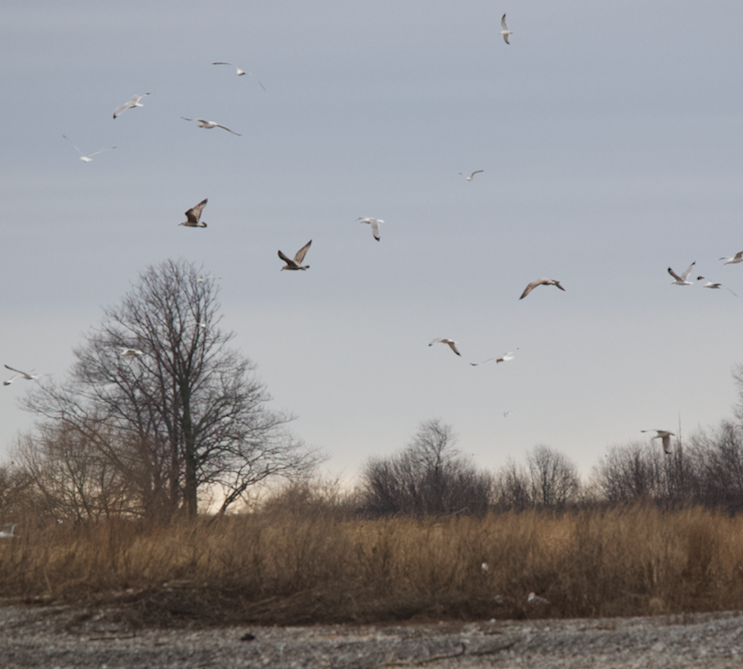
(193, 216)
(449, 342)
(540, 282)
(471, 176)
(296, 263)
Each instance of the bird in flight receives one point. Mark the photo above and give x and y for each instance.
(87, 157)
(210, 124)
(738, 257)
(128, 352)
(450, 342)
(540, 282)
(470, 177)
(193, 216)
(665, 437)
(134, 102)
(240, 72)
(504, 358)
(712, 285)
(24, 375)
(374, 222)
(505, 32)
(681, 280)
(298, 258)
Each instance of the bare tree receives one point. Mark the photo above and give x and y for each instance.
(512, 491)
(429, 476)
(157, 391)
(553, 478)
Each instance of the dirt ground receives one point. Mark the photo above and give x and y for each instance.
(66, 637)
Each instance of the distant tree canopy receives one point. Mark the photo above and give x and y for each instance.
(157, 408)
(429, 477)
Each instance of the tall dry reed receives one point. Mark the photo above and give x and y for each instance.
(284, 567)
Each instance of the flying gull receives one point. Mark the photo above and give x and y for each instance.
(505, 32)
(710, 284)
(25, 375)
(193, 216)
(210, 124)
(738, 257)
(450, 342)
(87, 157)
(681, 280)
(540, 282)
(134, 102)
(128, 352)
(665, 437)
(469, 178)
(374, 222)
(240, 72)
(504, 358)
(298, 258)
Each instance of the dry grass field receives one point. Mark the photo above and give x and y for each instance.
(284, 567)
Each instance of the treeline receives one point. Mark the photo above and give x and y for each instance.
(56, 476)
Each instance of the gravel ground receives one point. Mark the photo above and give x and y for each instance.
(65, 637)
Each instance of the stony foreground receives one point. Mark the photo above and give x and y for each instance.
(63, 637)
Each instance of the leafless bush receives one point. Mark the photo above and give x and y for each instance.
(429, 477)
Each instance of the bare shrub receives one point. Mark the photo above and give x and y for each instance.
(429, 477)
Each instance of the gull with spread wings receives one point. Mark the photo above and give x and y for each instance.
(193, 216)
(296, 263)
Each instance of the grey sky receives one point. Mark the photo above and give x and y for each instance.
(609, 135)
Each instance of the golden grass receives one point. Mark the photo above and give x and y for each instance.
(287, 568)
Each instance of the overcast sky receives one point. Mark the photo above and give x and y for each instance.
(610, 138)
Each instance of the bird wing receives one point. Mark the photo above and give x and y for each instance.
(738, 256)
(503, 23)
(122, 108)
(557, 283)
(73, 144)
(13, 369)
(299, 257)
(505, 38)
(667, 443)
(453, 346)
(286, 259)
(476, 172)
(194, 214)
(224, 127)
(375, 228)
(674, 275)
(531, 287)
(189, 119)
(687, 271)
(95, 153)
(222, 62)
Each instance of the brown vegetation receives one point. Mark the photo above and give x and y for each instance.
(288, 567)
